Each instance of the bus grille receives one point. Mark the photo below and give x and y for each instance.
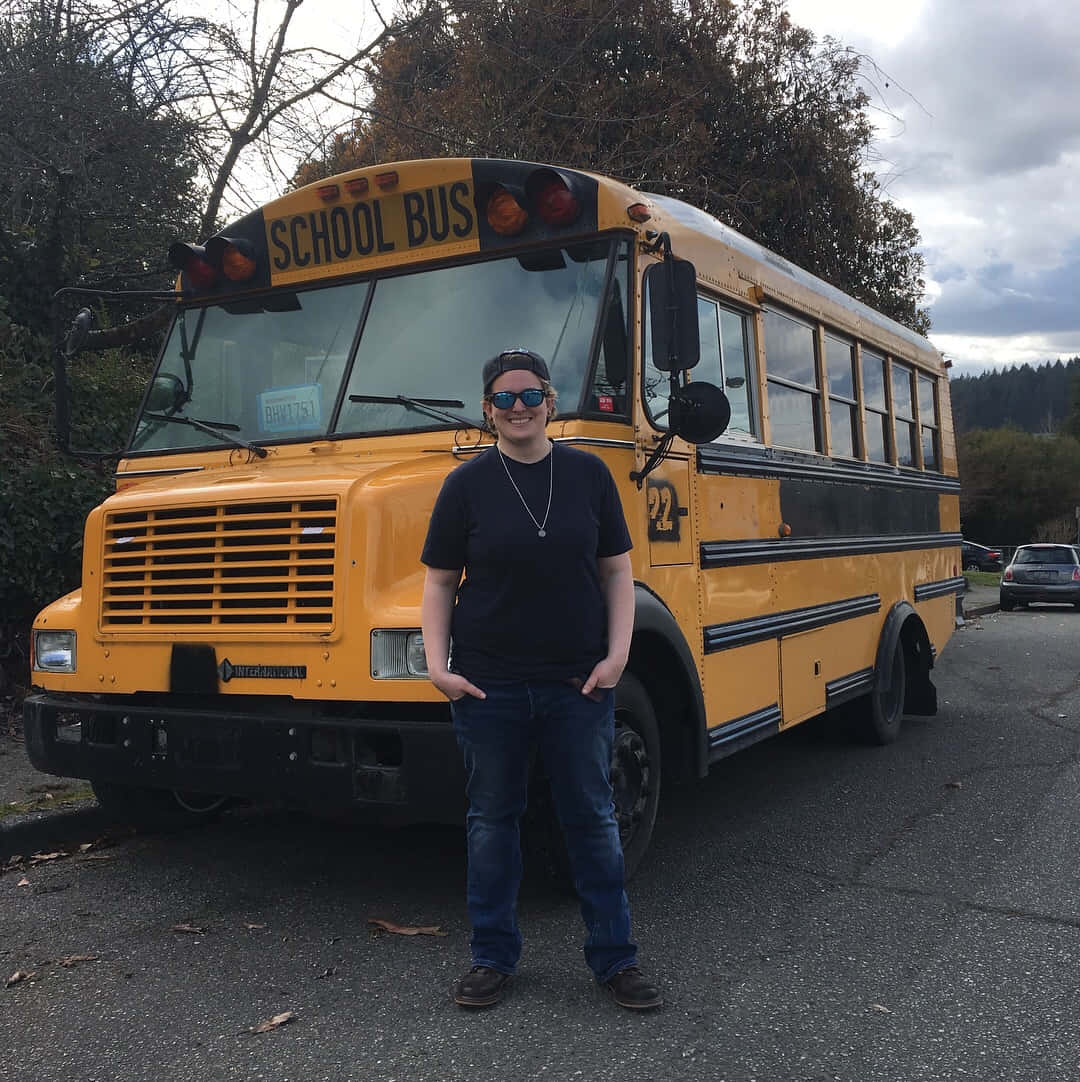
(259, 566)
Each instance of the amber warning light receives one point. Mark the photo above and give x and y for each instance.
(229, 258)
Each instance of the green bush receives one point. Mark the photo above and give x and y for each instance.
(45, 495)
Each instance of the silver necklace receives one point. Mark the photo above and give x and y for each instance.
(540, 531)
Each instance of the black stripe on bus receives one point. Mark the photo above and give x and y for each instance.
(816, 508)
(769, 550)
(777, 624)
(845, 688)
(740, 733)
(927, 590)
(766, 462)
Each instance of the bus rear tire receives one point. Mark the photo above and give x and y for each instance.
(885, 705)
(156, 811)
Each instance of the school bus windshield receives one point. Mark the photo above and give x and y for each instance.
(283, 366)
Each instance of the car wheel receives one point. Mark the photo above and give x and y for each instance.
(972, 565)
(1006, 604)
(156, 811)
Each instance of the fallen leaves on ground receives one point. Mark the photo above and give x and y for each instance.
(406, 929)
(190, 929)
(83, 848)
(43, 858)
(273, 1023)
(75, 959)
(18, 977)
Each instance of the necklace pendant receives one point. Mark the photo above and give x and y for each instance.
(542, 533)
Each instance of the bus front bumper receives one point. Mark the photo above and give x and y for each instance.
(401, 760)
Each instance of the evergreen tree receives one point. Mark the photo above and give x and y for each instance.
(728, 106)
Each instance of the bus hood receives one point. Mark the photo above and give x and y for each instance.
(268, 549)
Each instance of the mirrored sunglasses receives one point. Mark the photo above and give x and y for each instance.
(503, 400)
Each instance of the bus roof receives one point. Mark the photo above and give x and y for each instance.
(702, 222)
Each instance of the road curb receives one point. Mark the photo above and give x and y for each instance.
(981, 610)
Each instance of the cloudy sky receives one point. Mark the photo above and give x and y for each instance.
(978, 111)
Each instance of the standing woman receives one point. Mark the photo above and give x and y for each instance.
(541, 633)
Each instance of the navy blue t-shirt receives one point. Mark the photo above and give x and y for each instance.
(530, 607)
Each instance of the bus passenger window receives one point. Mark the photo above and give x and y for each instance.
(877, 410)
(710, 368)
(928, 422)
(843, 401)
(738, 385)
(904, 416)
(794, 395)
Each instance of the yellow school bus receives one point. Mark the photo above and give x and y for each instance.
(248, 619)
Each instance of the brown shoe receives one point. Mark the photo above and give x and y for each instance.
(630, 988)
(480, 987)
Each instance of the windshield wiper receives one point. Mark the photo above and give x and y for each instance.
(431, 406)
(219, 431)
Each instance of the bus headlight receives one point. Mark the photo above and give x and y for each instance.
(397, 655)
(54, 651)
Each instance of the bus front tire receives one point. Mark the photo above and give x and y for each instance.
(635, 769)
(635, 790)
(155, 811)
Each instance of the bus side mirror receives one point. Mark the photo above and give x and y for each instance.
(699, 412)
(167, 394)
(672, 289)
(78, 332)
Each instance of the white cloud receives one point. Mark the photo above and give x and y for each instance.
(979, 136)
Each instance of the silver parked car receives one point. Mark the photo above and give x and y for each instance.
(1042, 573)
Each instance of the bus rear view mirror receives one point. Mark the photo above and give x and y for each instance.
(672, 290)
(167, 394)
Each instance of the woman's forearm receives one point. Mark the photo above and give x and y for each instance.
(436, 609)
(618, 583)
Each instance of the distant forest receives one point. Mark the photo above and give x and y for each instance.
(1015, 484)
(1035, 400)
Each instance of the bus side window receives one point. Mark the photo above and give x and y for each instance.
(725, 363)
(928, 422)
(655, 385)
(738, 383)
(875, 408)
(794, 394)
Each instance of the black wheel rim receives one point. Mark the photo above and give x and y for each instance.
(630, 775)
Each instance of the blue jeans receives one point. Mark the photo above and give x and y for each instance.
(574, 735)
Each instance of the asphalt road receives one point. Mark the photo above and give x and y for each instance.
(814, 910)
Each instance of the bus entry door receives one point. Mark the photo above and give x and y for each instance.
(668, 501)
